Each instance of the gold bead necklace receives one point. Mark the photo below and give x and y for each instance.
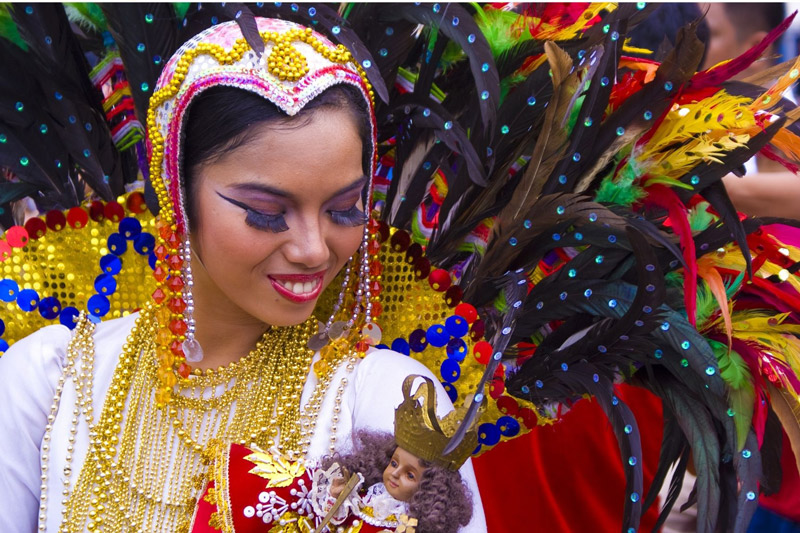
(146, 464)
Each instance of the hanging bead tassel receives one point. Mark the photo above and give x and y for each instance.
(191, 347)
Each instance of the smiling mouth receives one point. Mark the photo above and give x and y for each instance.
(298, 288)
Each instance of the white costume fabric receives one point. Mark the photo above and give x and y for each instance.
(29, 373)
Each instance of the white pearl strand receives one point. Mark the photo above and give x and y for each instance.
(84, 382)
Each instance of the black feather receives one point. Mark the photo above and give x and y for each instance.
(513, 286)
(72, 103)
(771, 450)
(456, 23)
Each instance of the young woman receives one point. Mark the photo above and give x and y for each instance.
(263, 192)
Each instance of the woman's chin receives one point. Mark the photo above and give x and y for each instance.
(286, 314)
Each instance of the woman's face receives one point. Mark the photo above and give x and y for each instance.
(277, 218)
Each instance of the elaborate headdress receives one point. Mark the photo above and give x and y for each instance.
(280, 61)
(552, 214)
(420, 431)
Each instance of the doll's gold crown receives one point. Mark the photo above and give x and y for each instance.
(419, 431)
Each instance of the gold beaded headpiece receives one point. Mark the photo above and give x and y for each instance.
(296, 65)
(419, 431)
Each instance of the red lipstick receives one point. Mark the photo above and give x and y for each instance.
(278, 281)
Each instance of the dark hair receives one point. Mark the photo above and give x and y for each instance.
(749, 18)
(442, 504)
(662, 26)
(221, 119)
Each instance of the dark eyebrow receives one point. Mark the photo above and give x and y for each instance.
(260, 187)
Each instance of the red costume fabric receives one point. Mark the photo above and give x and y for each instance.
(249, 499)
(568, 477)
(786, 502)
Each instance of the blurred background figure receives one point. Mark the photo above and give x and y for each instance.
(736, 27)
(768, 189)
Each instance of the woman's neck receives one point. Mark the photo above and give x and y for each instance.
(225, 339)
(226, 332)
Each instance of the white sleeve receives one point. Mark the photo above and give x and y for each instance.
(29, 372)
(379, 390)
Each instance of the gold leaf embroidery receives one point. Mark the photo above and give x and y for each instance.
(278, 471)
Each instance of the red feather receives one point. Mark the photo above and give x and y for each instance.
(715, 76)
(770, 153)
(664, 197)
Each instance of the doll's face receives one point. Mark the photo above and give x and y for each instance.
(402, 475)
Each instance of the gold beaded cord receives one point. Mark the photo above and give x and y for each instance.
(146, 464)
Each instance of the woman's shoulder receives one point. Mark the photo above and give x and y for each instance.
(40, 347)
(115, 331)
(379, 381)
(386, 362)
(47, 346)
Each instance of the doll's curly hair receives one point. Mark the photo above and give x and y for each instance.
(442, 504)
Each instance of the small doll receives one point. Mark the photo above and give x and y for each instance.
(399, 485)
(409, 481)
(402, 483)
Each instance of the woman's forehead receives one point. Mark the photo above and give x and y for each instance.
(322, 156)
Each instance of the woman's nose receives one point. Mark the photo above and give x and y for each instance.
(308, 246)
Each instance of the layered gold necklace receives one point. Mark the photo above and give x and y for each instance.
(146, 464)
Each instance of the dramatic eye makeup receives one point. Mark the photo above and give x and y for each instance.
(353, 216)
(349, 217)
(256, 219)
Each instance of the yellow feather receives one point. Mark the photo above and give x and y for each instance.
(774, 337)
(730, 257)
(698, 131)
(628, 49)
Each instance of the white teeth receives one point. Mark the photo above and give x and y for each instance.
(299, 288)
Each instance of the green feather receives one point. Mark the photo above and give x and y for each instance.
(501, 302)
(734, 285)
(452, 54)
(496, 26)
(673, 279)
(699, 217)
(707, 304)
(741, 394)
(181, 8)
(8, 30)
(576, 109)
(624, 190)
(87, 15)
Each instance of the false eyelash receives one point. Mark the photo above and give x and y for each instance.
(258, 220)
(350, 217)
(265, 222)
